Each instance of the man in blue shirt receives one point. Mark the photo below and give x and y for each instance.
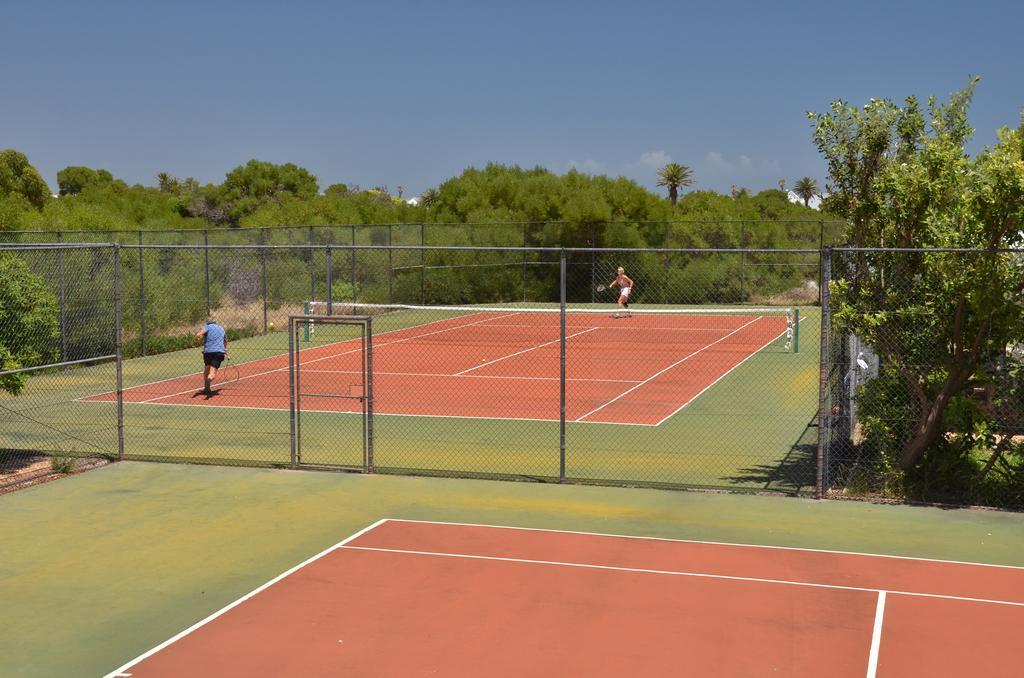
(215, 349)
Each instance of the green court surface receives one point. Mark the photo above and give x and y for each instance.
(751, 430)
(98, 568)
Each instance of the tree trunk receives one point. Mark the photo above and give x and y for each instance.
(930, 426)
(673, 194)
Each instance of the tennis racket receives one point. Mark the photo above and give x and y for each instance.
(229, 373)
(601, 288)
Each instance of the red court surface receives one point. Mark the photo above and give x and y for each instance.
(639, 370)
(406, 598)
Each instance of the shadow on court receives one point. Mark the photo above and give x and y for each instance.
(794, 473)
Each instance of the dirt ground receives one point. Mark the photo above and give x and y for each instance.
(19, 470)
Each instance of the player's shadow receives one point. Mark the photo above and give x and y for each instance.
(204, 395)
(795, 473)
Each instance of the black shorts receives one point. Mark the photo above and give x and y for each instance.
(213, 359)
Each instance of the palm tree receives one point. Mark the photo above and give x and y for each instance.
(806, 189)
(430, 197)
(675, 176)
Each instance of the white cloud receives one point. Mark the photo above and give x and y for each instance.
(650, 160)
(717, 163)
(588, 166)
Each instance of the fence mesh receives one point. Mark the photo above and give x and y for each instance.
(716, 380)
(58, 345)
(923, 383)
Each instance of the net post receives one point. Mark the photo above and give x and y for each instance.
(291, 392)
(307, 309)
(117, 352)
(561, 368)
(330, 281)
(796, 329)
(823, 414)
(142, 295)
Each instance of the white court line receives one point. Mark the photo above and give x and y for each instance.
(724, 374)
(876, 636)
(472, 376)
(329, 357)
(705, 542)
(532, 348)
(660, 372)
(681, 573)
(121, 671)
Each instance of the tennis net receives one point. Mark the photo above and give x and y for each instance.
(776, 326)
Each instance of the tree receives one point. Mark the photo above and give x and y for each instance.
(674, 176)
(249, 186)
(429, 197)
(29, 330)
(20, 179)
(937, 320)
(74, 179)
(806, 189)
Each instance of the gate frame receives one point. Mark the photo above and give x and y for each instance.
(295, 394)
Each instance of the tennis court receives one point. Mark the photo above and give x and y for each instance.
(505, 364)
(421, 598)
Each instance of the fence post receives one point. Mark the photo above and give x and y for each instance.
(593, 264)
(368, 385)
(353, 264)
(312, 266)
(206, 256)
(142, 295)
(292, 328)
(524, 262)
(743, 245)
(63, 304)
(263, 271)
(664, 282)
(391, 270)
(330, 281)
(821, 249)
(561, 370)
(824, 415)
(423, 264)
(117, 351)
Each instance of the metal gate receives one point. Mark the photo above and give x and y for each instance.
(330, 368)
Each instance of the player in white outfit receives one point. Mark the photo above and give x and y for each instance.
(625, 284)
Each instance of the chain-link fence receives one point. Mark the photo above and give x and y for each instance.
(59, 344)
(922, 381)
(519, 363)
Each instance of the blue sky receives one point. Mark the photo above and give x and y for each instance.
(410, 93)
